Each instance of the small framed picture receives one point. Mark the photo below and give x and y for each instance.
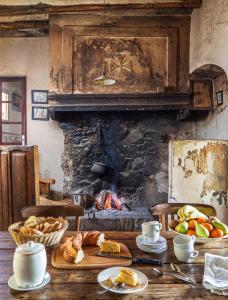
(219, 97)
(40, 113)
(40, 96)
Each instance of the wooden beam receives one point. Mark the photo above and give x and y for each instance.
(59, 105)
(24, 29)
(35, 17)
(44, 8)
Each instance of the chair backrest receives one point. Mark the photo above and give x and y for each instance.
(55, 211)
(166, 211)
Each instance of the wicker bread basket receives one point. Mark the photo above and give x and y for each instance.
(48, 239)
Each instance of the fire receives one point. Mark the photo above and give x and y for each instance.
(108, 200)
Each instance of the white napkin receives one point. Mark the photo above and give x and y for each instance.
(216, 274)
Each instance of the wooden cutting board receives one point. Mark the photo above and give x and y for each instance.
(91, 261)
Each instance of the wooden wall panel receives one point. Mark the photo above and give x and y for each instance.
(6, 207)
(18, 171)
(19, 181)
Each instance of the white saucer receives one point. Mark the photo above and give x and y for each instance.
(152, 246)
(113, 272)
(152, 250)
(161, 241)
(12, 283)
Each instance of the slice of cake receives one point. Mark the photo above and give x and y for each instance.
(127, 276)
(110, 247)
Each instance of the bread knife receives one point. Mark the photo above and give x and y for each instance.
(149, 261)
(137, 260)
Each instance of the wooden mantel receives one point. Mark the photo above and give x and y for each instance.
(61, 105)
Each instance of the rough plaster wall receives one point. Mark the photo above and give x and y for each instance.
(209, 45)
(29, 57)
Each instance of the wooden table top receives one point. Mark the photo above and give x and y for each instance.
(82, 284)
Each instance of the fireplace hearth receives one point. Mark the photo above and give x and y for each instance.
(133, 145)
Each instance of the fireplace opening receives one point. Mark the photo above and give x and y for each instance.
(131, 145)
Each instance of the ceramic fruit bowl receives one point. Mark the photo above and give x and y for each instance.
(191, 221)
(202, 240)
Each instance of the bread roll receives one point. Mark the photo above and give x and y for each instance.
(71, 247)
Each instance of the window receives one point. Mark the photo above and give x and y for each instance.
(12, 110)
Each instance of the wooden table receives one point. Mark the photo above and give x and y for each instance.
(82, 284)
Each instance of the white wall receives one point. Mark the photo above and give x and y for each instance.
(29, 57)
(209, 45)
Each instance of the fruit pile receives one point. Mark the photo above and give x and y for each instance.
(193, 222)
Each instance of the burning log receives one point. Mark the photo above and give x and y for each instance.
(108, 200)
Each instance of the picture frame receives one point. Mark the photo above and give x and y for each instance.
(40, 113)
(40, 96)
(219, 97)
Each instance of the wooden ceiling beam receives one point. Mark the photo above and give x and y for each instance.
(24, 29)
(43, 8)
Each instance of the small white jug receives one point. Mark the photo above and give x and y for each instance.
(29, 264)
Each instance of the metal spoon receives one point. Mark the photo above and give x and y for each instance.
(178, 270)
(119, 285)
(176, 276)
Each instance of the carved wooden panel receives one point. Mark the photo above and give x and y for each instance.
(143, 54)
(137, 62)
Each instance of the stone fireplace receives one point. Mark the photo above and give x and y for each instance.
(135, 145)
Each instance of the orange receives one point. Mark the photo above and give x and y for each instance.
(191, 232)
(208, 226)
(215, 233)
(192, 224)
(201, 220)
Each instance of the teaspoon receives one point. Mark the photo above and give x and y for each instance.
(119, 285)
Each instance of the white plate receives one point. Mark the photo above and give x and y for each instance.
(152, 248)
(154, 251)
(161, 241)
(12, 283)
(113, 272)
(203, 240)
(157, 251)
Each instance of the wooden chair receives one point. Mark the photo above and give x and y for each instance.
(55, 211)
(45, 186)
(166, 211)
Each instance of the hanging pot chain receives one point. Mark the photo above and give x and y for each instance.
(99, 125)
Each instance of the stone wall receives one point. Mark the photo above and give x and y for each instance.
(134, 144)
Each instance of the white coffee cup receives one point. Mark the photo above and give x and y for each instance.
(184, 241)
(151, 231)
(184, 248)
(29, 264)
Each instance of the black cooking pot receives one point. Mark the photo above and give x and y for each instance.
(102, 171)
